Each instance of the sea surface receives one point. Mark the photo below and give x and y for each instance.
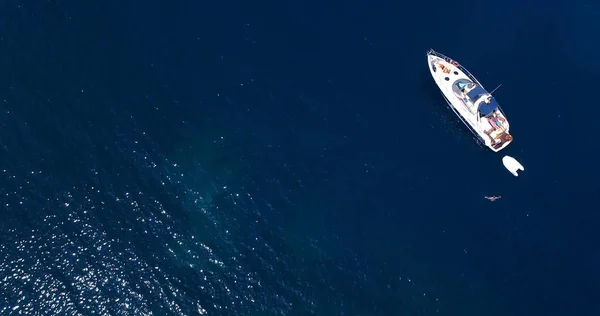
(295, 158)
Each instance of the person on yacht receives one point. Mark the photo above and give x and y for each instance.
(494, 121)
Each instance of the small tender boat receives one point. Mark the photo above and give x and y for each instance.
(512, 165)
(476, 107)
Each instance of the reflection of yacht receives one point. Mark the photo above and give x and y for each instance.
(476, 107)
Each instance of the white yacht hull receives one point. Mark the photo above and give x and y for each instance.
(446, 73)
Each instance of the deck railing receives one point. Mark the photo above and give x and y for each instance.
(463, 69)
(450, 60)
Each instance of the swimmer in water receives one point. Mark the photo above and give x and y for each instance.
(493, 198)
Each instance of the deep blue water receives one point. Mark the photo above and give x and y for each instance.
(293, 158)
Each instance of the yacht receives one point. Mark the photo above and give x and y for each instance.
(476, 107)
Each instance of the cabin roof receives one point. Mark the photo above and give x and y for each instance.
(476, 92)
(485, 108)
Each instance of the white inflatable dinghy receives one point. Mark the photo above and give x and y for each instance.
(512, 165)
